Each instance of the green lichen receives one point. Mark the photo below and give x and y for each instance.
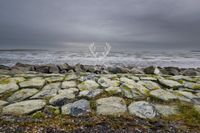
(4, 81)
(39, 115)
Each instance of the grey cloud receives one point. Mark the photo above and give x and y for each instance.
(126, 24)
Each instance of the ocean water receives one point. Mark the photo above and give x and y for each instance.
(138, 58)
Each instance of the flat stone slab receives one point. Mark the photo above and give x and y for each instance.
(24, 107)
(163, 94)
(111, 106)
(37, 82)
(88, 85)
(22, 95)
(142, 109)
(8, 85)
(68, 84)
(166, 110)
(170, 83)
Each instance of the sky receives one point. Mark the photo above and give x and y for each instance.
(125, 24)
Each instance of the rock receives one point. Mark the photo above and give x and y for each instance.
(130, 92)
(116, 70)
(42, 68)
(187, 94)
(88, 85)
(166, 110)
(3, 103)
(79, 68)
(53, 68)
(90, 76)
(111, 106)
(22, 95)
(37, 82)
(170, 83)
(54, 79)
(113, 90)
(181, 77)
(148, 78)
(172, 70)
(68, 84)
(24, 107)
(163, 94)
(70, 90)
(150, 85)
(80, 107)
(136, 71)
(48, 91)
(18, 79)
(134, 78)
(64, 67)
(90, 93)
(23, 67)
(7, 85)
(142, 109)
(191, 85)
(4, 67)
(71, 76)
(61, 99)
(190, 72)
(105, 82)
(151, 70)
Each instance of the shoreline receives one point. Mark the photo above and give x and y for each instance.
(98, 69)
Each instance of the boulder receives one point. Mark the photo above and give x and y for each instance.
(24, 107)
(172, 70)
(23, 67)
(42, 68)
(150, 85)
(78, 108)
(113, 90)
(68, 84)
(3, 103)
(54, 79)
(65, 66)
(170, 83)
(136, 71)
(111, 106)
(61, 99)
(105, 82)
(22, 95)
(53, 68)
(90, 93)
(151, 70)
(49, 90)
(7, 85)
(163, 94)
(4, 67)
(37, 82)
(166, 110)
(88, 85)
(142, 109)
(190, 72)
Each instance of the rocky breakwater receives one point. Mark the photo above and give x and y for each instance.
(140, 96)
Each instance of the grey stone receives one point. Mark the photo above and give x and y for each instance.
(68, 84)
(10, 86)
(22, 95)
(142, 109)
(90, 93)
(88, 85)
(48, 91)
(150, 85)
(163, 94)
(37, 82)
(24, 107)
(111, 106)
(61, 99)
(191, 85)
(80, 107)
(54, 79)
(166, 110)
(113, 90)
(170, 83)
(3, 103)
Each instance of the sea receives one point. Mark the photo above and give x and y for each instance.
(135, 58)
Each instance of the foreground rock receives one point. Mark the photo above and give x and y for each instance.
(111, 106)
(142, 109)
(163, 94)
(37, 82)
(77, 108)
(24, 107)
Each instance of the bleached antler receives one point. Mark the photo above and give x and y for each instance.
(92, 49)
(107, 50)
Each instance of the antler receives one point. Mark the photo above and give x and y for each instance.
(92, 49)
(107, 50)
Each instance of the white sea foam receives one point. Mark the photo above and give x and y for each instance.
(134, 58)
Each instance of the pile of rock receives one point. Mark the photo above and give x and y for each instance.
(65, 68)
(105, 94)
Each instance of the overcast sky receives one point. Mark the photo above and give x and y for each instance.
(126, 24)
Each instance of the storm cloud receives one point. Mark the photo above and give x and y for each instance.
(127, 24)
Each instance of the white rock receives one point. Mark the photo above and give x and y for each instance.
(69, 84)
(170, 83)
(111, 106)
(37, 82)
(142, 109)
(24, 107)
